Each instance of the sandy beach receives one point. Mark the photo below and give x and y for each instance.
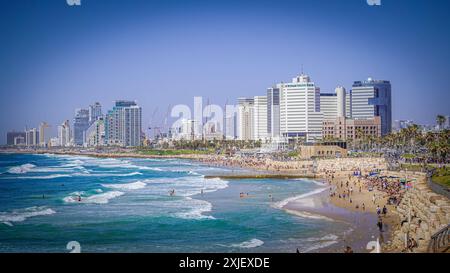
(344, 196)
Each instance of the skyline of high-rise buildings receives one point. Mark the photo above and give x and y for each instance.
(287, 111)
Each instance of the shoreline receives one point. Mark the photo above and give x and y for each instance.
(326, 206)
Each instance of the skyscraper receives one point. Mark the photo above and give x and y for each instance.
(273, 112)
(245, 118)
(42, 134)
(300, 114)
(260, 118)
(64, 134)
(80, 125)
(329, 105)
(95, 134)
(123, 124)
(341, 101)
(95, 111)
(333, 105)
(372, 98)
(32, 137)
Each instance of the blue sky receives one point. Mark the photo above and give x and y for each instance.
(55, 58)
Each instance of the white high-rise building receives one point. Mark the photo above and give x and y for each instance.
(95, 134)
(95, 112)
(341, 101)
(333, 105)
(328, 106)
(245, 118)
(300, 114)
(64, 134)
(123, 124)
(32, 137)
(260, 118)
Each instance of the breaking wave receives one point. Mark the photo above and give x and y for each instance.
(21, 215)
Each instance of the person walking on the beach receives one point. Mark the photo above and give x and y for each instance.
(384, 210)
(380, 224)
(378, 210)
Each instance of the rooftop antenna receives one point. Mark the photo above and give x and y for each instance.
(302, 69)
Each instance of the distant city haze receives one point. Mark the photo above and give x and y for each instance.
(55, 58)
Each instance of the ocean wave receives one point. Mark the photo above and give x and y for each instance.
(281, 204)
(109, 174)
(196, 213)
(21, 169)
(127, 186)
(186, 186)
(84, 174)
(21, 215)
(309, 215)
(52, 176)
(102, 198)
(249, 244)
(322, 242)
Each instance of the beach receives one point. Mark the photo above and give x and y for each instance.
(343, 196)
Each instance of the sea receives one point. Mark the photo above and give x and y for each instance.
(49, 203)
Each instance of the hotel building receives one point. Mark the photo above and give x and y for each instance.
(260, 118)
(95, 134)
(245, 118)
(64, 134)
(123, 124)
(300, 114)
(370, 99)
(32, 137)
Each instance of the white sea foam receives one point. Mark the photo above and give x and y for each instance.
(309, 215)
(127, 186)
(21, 215)
(21, 169)
(322, 242)
(52, 176)
(249, 244)
(102, 198)
(281, 204)
(198, 207)
(186, 186)
(108, 174)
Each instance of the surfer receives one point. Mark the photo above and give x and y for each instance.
(79, 198)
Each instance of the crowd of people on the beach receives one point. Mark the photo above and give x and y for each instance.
(259, 162)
